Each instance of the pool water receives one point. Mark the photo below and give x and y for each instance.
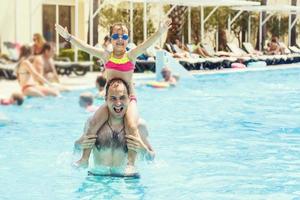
(229, 136)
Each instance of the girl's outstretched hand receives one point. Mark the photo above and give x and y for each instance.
(62, 31)
(165, 25)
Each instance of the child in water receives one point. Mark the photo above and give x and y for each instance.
(15, 99)
(118, 64)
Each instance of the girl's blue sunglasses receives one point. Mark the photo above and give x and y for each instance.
(117, 36)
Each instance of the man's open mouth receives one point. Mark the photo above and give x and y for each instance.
(118, 109)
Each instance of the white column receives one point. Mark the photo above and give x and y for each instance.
(131, 21)
(228, 24)
(57, 22)
(91, 29)
(189, 25)
(30, 20)
(260, 31)
(249, 28)
(76, 30)
(145, 20)
(290, 30)
(202, 24)
(217, 38)
(16, 20)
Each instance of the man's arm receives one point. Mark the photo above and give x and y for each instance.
(35, 74)
(52, 65)
(85, 141)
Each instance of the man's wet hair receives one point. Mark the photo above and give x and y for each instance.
(116, 82)
(101, 81)
(46, 47)
(18, 98)
(87, 98)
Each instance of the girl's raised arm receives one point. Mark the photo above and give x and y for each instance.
(134, 53)
(99, 53)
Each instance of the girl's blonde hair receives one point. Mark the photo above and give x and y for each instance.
(40, 39)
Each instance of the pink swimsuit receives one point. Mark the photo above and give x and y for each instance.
(120, 64)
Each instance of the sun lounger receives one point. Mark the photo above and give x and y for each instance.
(7, 70)
(13, 50)
(292, 57)
(269, 59)
(144, 65)
(66, 68)
(241, 54)
(208, 62)
(294, 49)
(210, 50)
(193, 62)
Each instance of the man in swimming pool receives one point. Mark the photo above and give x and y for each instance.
(110, 145)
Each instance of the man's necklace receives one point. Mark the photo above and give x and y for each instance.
(115, 134)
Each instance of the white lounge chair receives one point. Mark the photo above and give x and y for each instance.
(66, 68)
(7, 70)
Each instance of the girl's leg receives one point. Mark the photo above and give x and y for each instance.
(96, 122)
(33, 92)
(131, 121)
(49, 91)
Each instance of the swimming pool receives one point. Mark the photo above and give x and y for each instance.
(230, 136)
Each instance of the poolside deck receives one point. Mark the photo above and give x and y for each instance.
(88, 81)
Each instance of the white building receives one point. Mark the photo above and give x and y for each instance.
(20, 19)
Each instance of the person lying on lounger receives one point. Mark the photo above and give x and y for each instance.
(44, 64)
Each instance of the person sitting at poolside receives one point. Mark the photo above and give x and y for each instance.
(100, 85)
(15, 99)
(86, 101)
(274, 47)
(39, 41)
(44, 64)
(26, 76)
(110, 144)
(168, 77)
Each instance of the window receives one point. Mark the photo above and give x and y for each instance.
(49, 20)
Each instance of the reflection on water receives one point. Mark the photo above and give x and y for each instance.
(110, 188)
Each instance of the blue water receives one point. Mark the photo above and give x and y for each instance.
(234, 136)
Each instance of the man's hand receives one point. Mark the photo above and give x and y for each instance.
(62, 31)
(87, 141)
(135, 143)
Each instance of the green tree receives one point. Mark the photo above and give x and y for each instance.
(110, 15)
